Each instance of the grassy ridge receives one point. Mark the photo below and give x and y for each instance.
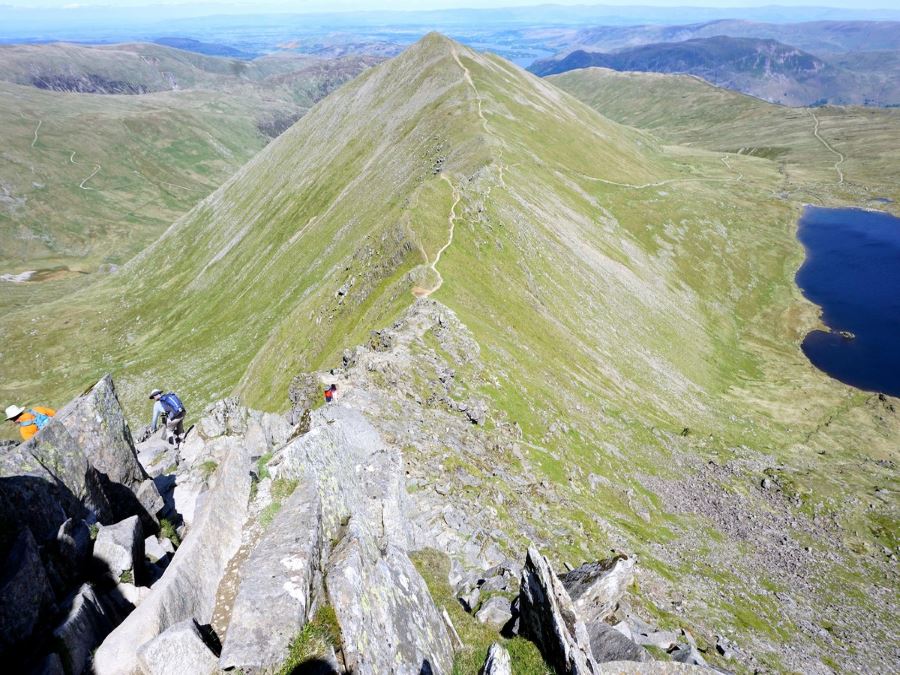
(621, 290)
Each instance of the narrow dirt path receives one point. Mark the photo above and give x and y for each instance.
(93, 173)
(418, 291)
(837, 164)
(484, 123)
(36, 129)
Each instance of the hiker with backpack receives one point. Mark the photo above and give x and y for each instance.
(170, 406)
(29, 420)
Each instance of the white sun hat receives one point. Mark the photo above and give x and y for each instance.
(13, 411)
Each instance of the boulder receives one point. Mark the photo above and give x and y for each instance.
(596, 588)
(547, 617)
(121, 547)
(497, 661)
(178, 650)
(495, 612)
(649, 668)
(187, 590)
(25, 592)
(154, 549)
(608, 644)
(85, 626)
(275, 596)
(388, 620)
(73, 552)
(687, 653)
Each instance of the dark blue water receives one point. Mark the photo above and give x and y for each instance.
(852, 271)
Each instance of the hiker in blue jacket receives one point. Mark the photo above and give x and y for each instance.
(170, 406)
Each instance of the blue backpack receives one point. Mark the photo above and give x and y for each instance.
(172, 404)
(40, 420)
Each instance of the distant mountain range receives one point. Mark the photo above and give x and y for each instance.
(817, 37)
(764, 68)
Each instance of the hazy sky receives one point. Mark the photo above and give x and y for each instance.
(348, 5)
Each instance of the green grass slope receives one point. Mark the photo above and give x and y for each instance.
(809, 146)
(89, 179)
(633, 302)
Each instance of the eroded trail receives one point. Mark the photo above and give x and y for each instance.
(418, 291)
(36, 129)
(484, 123)
(837, 164)
(93, 173)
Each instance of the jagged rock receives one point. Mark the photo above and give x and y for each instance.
(73, 543)
(188, 587)
(497, 661)
(608, 644)
(157, 456)
(687, 653)
(547, 617)
(88, 447)
(86, 624)
(25, 591)
(496, 583)
(724, 647)
(665, 639)
(275, 600)
(223, 418)
(178, 650)
(38, 503)
(495, 611)
(470, 599)
(388, 620)
(596, 588)
(120, 547)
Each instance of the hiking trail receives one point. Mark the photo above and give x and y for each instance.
(418, 291)
(40, 122)
(837, 164)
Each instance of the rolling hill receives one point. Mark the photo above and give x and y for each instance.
(90, 179)
(631, 323)
(764, 68)
(829, 154)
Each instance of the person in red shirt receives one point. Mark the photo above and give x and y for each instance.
(330, 392)
(29, 420)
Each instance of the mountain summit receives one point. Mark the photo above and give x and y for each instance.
(627, 309)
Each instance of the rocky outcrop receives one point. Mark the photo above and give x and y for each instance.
(548, 618)
(596, 588)
(187, 590)
(178, 650)
(497, 661)
(496, 611)
(87, 623)
(25, 592)
(388, 619)
(277, 588)
(87, 447)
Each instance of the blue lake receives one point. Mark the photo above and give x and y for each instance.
(852, 271)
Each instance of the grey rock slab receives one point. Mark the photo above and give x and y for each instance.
(664, 639)
(178, 650)
(25, 592)
(188, 587)
(547, 617)
(85, 627)
(497, 661)
(389, 622)
(608, 644)
(496, 612)
(120, 546)
(650, 668)
(274, 599)
(596, 588)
